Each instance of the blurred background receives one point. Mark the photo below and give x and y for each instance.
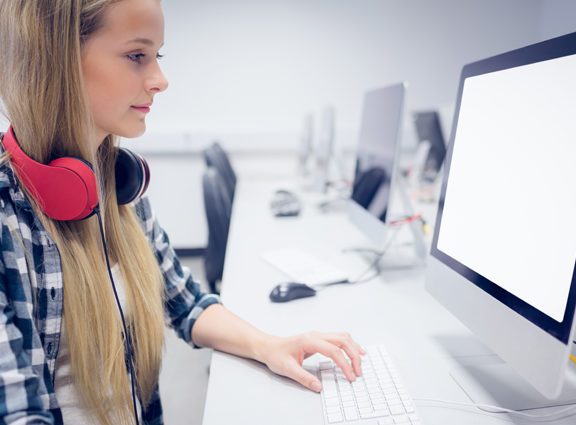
(248, 73)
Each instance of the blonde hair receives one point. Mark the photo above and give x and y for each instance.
(42, 88)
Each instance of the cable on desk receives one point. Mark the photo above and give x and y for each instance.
(374, 264)
(546, 417)
(426, 228)
(405, 220)
(361, 277)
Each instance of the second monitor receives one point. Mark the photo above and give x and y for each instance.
(376, 159)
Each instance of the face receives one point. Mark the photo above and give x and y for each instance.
(120, 66)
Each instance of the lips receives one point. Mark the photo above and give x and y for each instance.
(144, 108)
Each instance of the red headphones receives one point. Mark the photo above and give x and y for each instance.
(65, 189)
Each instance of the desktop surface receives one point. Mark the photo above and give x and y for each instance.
(423, 339)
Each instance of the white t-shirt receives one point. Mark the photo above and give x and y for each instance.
(73, 410)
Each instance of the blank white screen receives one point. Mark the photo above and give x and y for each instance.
(510, 204)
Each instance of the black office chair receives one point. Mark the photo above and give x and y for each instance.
(215, 156)
(366, 185)
(218, 208)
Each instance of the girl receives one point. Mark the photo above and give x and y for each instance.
(84, 293)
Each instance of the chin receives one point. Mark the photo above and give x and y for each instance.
(131, 133)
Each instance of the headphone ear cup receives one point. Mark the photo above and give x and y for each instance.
(64, 190)
(132, 176)
(80, 198)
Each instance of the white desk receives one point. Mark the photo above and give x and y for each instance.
(423, 338)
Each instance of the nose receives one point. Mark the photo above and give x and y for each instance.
(156, 82)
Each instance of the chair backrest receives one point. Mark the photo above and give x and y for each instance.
(218, 208)
(367, 184)
(215, 156)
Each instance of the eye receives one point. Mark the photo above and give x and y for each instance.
(136, 57)
(159, 56)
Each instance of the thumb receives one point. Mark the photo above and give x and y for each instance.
(302, 376)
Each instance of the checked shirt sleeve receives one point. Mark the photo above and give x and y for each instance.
(185, 301)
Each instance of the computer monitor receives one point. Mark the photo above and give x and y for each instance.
(306, 144)
(376, 160)
(504, 246)
(324, 148)
(429, 131)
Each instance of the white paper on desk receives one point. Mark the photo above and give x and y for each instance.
(304, 267)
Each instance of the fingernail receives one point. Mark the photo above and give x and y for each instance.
(316, 386)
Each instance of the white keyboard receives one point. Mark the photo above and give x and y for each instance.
(301, 266)
(376, 398)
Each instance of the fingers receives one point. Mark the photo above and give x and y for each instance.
(352, 349)
(303, 377)
(287, 354)
(334, 346)
(330, 350)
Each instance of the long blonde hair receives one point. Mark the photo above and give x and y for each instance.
(42, 88)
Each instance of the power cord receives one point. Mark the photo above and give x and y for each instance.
(127, 339)
(546, 417)
(374, 265)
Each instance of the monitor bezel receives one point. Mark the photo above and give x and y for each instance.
(543, 51)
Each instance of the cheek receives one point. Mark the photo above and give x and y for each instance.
(102, 92)
(108, 88)
(97, 88)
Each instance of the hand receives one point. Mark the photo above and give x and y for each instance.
(285, 356)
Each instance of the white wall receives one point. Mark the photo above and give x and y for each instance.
(257, 66)
(247, 71)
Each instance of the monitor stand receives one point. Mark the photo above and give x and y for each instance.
(420, 247)
(497, 384)
(394, 257)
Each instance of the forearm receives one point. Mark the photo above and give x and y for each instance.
(222, 330)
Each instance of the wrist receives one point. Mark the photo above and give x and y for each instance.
(262, 347)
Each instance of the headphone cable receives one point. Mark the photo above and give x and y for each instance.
(127, 339)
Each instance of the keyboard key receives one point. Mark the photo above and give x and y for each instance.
(332, 401)
(335, 418)
(350, 413)
(333, 410)
(397, 409)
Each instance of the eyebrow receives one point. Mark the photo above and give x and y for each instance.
(142, 40)
(145, 41)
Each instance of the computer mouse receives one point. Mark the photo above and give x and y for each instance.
(285, 204)
(291, 291)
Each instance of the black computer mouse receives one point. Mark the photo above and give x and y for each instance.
(291, 291)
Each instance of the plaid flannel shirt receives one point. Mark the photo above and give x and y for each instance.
(31, 305)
